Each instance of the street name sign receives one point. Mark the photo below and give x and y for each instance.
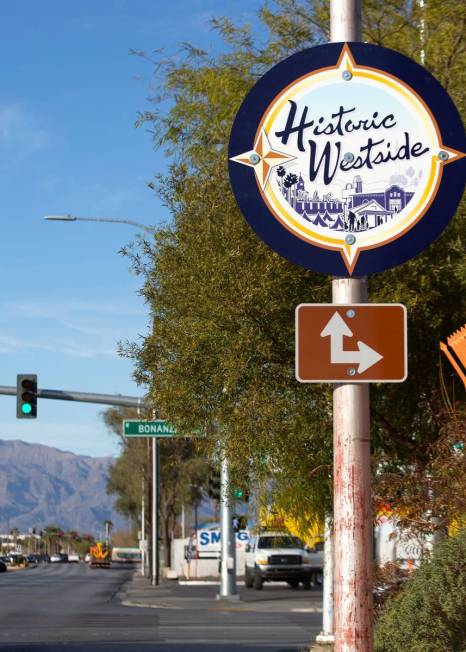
(347, 158)
(353, 343)
(158, 428)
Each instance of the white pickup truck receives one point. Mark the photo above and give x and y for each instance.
(280, 557)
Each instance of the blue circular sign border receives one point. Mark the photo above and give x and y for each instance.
(303, 253)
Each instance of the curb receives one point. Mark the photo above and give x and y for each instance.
(205, 583)
(145, 605)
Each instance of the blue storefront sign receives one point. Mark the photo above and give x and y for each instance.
(348, 158)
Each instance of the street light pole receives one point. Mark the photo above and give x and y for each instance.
(154, 494)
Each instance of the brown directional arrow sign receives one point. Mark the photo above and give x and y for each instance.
(357, 343)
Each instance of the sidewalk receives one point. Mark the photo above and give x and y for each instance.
(139, 592)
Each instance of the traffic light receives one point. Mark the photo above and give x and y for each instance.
(241, 494)
(213, 488)
(26, 396)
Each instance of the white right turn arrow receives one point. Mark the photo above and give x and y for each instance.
(336, 329)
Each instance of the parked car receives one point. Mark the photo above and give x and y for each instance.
(73, 557)
(17, 560)
(87, 558)
(3, 567)
(58, 558)
(277, 557)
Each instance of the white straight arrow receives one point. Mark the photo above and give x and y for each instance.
(336, 329)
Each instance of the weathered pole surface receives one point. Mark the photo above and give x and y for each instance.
(352, 501)
(351, 431)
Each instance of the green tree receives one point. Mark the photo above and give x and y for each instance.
(181, 468)
(430, 613)
(52, 536)
(221, 350)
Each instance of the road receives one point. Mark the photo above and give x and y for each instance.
(58, 607)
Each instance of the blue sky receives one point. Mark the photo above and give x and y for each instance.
(69, 96)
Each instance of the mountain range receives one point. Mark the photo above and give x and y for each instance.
(41, 485)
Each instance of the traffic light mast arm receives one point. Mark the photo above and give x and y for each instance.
(82, 397)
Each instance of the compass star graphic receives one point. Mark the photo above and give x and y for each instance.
(262, 158)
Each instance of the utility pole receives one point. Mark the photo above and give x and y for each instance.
(228, 541)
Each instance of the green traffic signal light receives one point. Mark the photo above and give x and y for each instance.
(238, 493)
(26, 396)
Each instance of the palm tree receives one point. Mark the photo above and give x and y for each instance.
(52, 534)
(108, 527)
(15, 534)
(290, 180)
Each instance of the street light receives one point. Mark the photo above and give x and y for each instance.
(74, 218)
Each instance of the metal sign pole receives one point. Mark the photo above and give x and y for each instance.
(228, 552)
(155, 570)
(326, 636)
(143, 531)
(351, 432)
(352, 501)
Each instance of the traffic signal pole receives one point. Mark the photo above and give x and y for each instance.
(81, 397)
(228, 541)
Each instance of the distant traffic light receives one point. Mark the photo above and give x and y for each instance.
(26, 396)
(241, 494)
(213, 488)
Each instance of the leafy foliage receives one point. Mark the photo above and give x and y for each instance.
(430, 613)
(182, 475)
(221, 352)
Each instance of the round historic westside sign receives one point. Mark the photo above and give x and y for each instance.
(348, 158)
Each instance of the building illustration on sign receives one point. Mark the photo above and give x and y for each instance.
(355, 211)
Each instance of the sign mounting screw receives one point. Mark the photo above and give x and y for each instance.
(443, 155)
(350, 313)
(346, 75)
(350, 239)
(351, 371)
(254, 158)
(348, 156)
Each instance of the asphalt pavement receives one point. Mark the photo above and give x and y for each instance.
(70, 607)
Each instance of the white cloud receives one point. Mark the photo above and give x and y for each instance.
(56, 309)
(80, 329)
(10, 345)
(19, 133)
